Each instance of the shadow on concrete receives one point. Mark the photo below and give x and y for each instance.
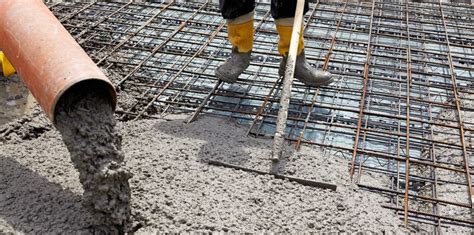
(30, 203)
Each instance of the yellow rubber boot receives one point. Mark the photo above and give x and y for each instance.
(7, 67)
(285, 39)
(240, 33)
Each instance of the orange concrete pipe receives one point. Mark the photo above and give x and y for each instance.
(47, 58)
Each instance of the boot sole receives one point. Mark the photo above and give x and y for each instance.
(224, 78)
(327, 82)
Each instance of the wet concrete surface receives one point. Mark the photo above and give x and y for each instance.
(15, 99)
(173, 189)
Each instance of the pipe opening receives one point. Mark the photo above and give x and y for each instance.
(99, 88)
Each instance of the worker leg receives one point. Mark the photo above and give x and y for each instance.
(239, 16)
(7, 67)
(283, 11)
(286, 8)
(232, 9)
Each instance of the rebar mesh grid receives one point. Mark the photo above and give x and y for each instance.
(402, 109)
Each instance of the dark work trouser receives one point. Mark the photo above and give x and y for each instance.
(231, 9)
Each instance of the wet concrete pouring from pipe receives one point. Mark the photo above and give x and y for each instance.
(87, 125)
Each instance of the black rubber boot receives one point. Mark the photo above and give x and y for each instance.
(235, 65)
(307, 74)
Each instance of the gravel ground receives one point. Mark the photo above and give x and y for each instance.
(173, 189)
